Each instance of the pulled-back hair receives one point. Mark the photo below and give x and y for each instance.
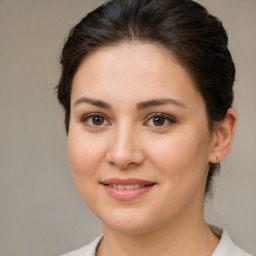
(196, 38)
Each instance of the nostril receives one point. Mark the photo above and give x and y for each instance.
(123, 165)
(132, 164)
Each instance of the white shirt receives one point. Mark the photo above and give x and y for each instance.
(225, 247)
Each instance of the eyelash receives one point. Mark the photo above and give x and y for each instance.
(85, 119)
(166, 118)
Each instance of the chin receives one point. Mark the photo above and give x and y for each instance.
(128, 228)
(129, 223)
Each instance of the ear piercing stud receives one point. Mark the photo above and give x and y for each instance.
(218, 159)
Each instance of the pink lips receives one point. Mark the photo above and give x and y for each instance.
(126, 189)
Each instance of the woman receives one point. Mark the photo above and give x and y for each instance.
(147, 90)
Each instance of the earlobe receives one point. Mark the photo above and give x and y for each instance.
(223, 136)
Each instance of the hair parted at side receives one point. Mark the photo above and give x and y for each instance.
(196, 38)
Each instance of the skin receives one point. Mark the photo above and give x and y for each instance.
(121, 85)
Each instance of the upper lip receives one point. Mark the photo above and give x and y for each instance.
(127, 181)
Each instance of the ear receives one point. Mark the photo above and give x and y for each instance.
(222, 137)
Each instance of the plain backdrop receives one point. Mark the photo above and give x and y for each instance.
(41, 212)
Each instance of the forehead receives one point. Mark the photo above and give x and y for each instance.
(132, 67)
(144, 56)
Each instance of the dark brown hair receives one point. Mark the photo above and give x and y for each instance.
(196, 38)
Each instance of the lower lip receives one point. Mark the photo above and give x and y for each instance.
(127, 194)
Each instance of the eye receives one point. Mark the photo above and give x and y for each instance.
(160, 120)
(95, 120)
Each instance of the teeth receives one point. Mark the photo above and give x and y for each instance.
(127, 187)
(121, 187)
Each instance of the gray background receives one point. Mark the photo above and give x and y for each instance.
(41, 212)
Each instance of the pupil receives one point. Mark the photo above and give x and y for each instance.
(97, 120)
(158, 121)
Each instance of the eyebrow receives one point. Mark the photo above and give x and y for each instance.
(94, 102)
(140, 105)
(159, 102)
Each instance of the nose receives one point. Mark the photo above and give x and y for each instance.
(124, 150)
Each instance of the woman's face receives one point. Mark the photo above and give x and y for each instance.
(139, 142)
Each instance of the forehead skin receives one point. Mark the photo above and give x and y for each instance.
(137, 63)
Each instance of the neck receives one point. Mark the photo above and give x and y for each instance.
(192, 238)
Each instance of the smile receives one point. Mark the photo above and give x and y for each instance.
(127, 189)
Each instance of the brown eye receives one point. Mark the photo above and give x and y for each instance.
(97, 120)
(159, 121)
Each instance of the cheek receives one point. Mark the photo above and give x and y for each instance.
(182, 154)
(182, 164)
(85, 153)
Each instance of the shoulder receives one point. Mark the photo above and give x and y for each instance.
(87, 250)
(226, 246)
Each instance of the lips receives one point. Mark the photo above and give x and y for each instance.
(127, 189)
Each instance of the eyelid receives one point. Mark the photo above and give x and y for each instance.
(84, 119)
(169, 118)
(91, 114)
